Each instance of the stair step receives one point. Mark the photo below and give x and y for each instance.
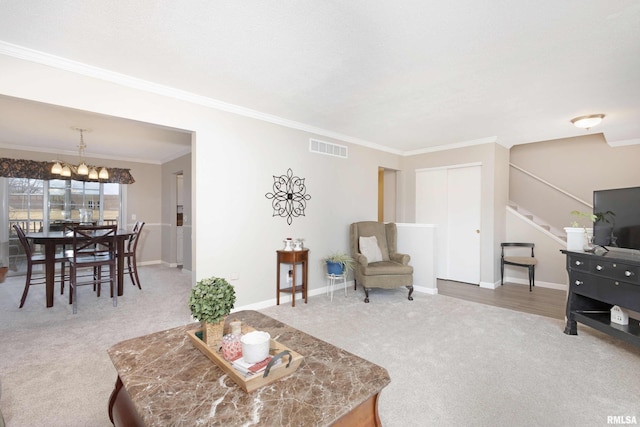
(529, 216)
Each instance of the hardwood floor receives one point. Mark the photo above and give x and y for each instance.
(542, 301)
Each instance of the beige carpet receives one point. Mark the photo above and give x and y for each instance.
(451, 362)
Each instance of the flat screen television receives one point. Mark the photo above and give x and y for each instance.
(617, 222)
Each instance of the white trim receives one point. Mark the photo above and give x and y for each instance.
(538, 283)
(623, 143)
(548, 184)
(61, 63)
(535, 225)
(489, 285)
(444, 147)
(447, 167)
(39, 57)
(426, 290)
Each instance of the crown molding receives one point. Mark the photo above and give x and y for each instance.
(43, 58)
(74, 154)
(463, 144)
(624, 143)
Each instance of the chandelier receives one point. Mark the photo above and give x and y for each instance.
(64, 169)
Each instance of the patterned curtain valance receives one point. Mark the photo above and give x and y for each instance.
(20, 168)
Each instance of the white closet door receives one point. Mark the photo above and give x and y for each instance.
(450, 198)
(463, 213)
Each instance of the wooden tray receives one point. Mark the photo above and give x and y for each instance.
(288, 365)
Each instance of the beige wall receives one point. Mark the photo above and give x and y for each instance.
(233, 161)
(577, 165)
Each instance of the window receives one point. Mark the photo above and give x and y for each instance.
(36, 204)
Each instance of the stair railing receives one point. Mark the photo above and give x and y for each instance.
(548, 184)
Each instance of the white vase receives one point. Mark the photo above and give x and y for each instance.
(577, 238)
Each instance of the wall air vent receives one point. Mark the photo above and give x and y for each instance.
(328, 148)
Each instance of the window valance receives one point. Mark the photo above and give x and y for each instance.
(20, 168)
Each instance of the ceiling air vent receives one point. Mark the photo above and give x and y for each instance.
(328, 148)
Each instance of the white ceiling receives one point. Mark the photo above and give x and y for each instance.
(407, 75)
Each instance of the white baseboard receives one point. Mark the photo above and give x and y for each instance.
(489, 285)
(538, 283)
(426, 290)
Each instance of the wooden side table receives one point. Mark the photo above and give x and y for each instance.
(293, 258)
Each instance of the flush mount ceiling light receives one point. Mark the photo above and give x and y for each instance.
(587, 122)
(65, 169)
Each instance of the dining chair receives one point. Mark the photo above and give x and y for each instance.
(93, 247)
(34, 258)
(131, 266)
(528, 262)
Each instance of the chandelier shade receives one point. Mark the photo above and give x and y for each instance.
(91, 172)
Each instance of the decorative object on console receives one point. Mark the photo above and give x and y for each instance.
(249, 379)
(619, 316)
(578, 235)
(289, 197)
(288, 244)
(210, 301)
(65, 169)
(298, 244)
(338, 263)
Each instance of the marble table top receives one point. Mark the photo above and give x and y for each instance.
(172, 383)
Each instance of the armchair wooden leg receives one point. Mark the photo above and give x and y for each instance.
(410, 292)
(366, 295)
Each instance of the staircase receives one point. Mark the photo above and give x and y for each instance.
(556, 234)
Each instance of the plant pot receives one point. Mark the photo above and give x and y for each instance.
(212, 333)
(335, 268)
(578, 237)
(3, 273)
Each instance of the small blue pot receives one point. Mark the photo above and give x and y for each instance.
(335, 268)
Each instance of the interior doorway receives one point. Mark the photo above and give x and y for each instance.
(387, 184)
(179, 219)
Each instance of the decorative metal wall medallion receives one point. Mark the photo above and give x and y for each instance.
(289, 197)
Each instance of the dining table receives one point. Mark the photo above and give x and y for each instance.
(52, 239)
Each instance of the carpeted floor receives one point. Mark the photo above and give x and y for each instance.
(451, 362)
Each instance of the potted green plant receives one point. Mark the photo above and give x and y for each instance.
(338, 263)
(211, 301)
(578, 234)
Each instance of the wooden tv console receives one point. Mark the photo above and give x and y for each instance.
(597, 283)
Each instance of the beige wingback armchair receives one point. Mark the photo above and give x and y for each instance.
(377, 262)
